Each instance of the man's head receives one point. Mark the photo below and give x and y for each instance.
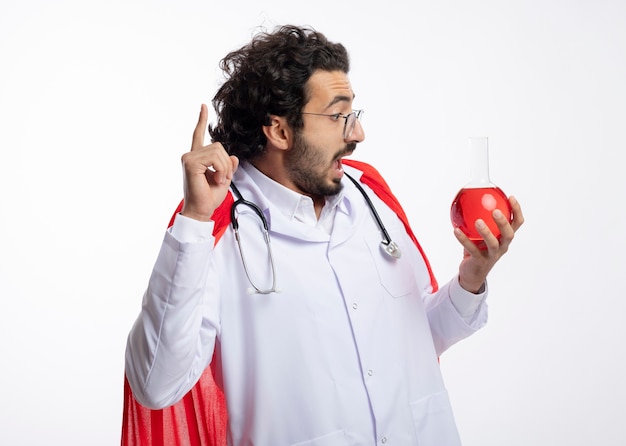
(269, 76)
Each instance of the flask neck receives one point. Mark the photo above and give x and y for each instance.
(479, 163)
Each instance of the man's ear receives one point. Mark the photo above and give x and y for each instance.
(278, 133)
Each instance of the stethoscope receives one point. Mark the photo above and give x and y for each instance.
(388, 246)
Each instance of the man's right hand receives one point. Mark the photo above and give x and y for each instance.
(207, 172)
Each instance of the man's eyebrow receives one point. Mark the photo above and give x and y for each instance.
(340, 98)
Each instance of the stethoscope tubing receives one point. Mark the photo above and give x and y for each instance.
(266, 235)
(387, 239)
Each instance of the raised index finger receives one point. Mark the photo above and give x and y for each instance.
(198, 134)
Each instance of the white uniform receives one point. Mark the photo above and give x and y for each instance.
(344, 354)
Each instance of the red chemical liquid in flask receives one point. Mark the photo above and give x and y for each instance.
(480, 197)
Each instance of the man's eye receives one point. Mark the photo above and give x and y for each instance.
(336, 116)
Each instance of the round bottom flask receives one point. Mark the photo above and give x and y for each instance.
(480, 197)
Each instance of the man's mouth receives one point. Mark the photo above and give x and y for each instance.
(350, 148)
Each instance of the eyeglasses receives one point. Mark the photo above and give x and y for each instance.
(350, 120)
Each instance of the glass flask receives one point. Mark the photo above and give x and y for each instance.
(480, 197)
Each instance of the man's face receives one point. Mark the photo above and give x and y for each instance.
(314, 161)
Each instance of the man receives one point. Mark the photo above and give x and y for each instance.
(318, 336)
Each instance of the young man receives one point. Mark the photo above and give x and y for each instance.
(318, 336)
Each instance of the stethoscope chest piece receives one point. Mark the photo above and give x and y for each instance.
(391, 249)
(388, 246)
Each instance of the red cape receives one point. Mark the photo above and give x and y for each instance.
(200, 418)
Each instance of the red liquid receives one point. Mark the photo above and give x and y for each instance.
(472, 204)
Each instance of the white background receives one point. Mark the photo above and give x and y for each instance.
(98, 100)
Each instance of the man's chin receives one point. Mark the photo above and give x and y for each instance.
(335, 187)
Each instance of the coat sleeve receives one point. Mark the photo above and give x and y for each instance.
(200, 417)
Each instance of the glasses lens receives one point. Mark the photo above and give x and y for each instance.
(351, 119)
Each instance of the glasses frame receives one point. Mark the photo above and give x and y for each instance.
(351, 117)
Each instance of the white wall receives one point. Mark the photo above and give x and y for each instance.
(98, 100)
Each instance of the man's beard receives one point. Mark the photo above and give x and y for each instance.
(308, 168)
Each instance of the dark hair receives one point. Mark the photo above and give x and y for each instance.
(268, 77)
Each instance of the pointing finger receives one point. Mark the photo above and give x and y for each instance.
(198, 134)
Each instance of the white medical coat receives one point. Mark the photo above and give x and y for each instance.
(345, 354)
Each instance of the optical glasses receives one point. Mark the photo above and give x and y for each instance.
(350, 120)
